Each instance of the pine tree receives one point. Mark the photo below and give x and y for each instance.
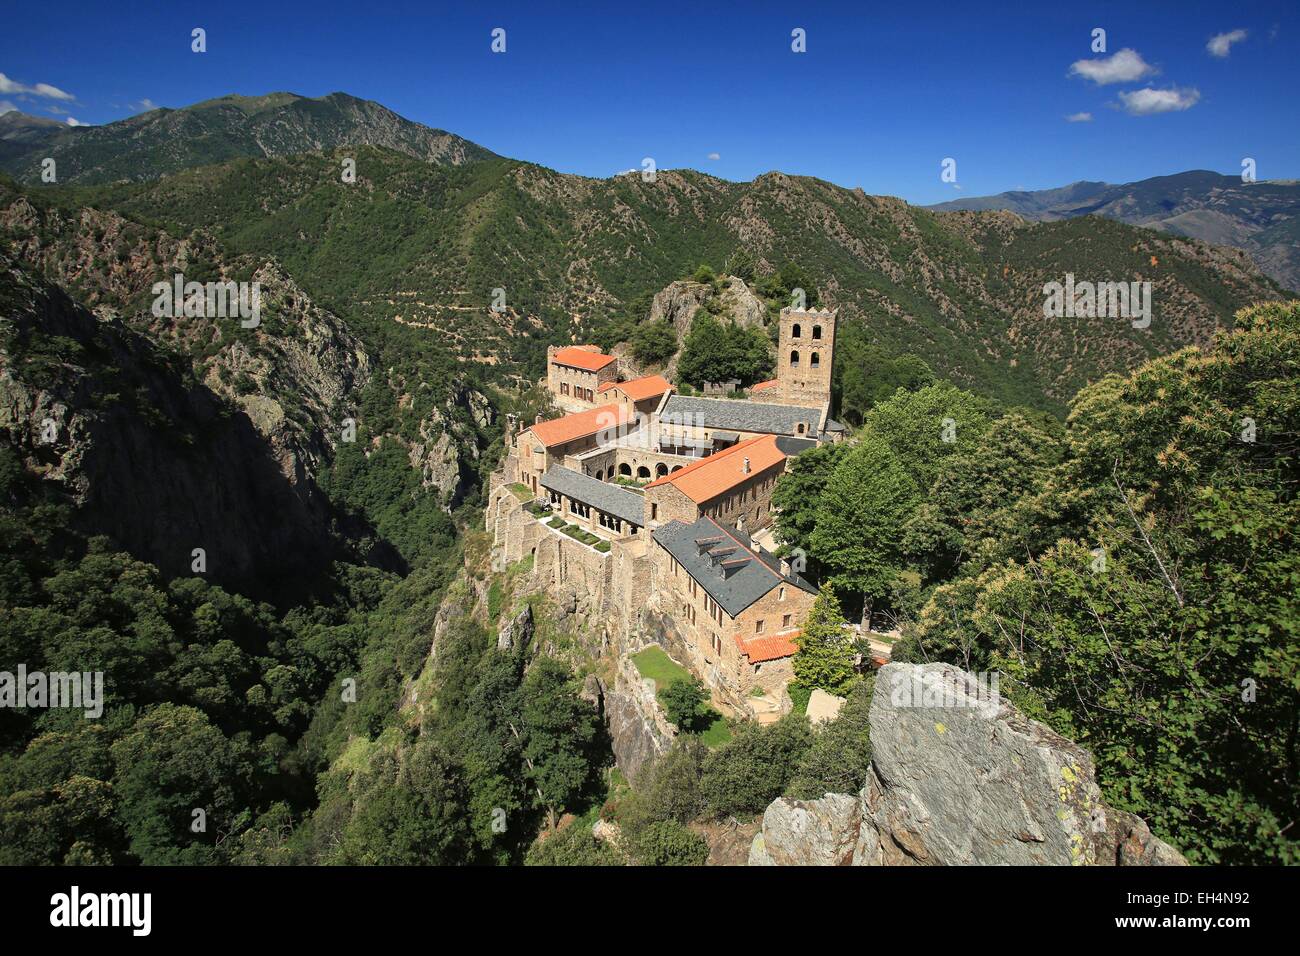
(825, 657)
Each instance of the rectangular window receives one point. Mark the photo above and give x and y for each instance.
(785, 620)
(758, 627)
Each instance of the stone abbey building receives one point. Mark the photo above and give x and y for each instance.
(653, 510)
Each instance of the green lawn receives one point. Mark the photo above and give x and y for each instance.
(653, 663)
(522, 492)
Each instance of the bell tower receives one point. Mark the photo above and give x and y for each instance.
(805, 351)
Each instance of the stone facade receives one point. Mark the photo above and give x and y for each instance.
(576, 389)
(634, 597)
(709, 634)
(747, 506)
(805, 353)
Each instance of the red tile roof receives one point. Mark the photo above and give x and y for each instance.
(558, 431)
(639, 389)
(579, 357)
(709, 477)
(768, 647)
(760, 386)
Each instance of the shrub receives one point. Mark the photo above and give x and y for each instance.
(836, 762)
(670, 843)
(654, 343)
(745, 775)
(683, 702)
(572, 846)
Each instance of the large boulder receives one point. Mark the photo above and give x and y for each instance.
(808, 832)
(959, 776)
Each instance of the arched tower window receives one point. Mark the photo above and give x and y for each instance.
(817, 331)
(814, 360)
(795, 332)
(794, 357)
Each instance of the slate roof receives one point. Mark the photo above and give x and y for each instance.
(725, 563)
(609, 498)
(793, 446)
(740, 415)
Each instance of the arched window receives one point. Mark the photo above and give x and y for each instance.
(625, 470)
(660, 470)
(796, 331)
(600, 474)
(794, 357)
(643, 472)
(676, 468)
(817, 331)
(800, 428)
(815, 360)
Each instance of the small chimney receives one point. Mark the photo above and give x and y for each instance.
(539, 419)
(745, 467)
(785, 568)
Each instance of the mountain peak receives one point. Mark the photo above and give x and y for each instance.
(164, 141)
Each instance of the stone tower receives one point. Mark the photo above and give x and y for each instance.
(805, 351)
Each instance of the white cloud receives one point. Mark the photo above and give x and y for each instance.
(1079, 118)
(40, 89)
(7, 107)
(73, 121)
(1220, 44)
(1145, 102)
(714, 156)
(145, 105)
(1123, 67)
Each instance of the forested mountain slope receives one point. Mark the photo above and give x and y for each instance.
(423, 247)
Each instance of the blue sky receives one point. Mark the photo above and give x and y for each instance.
(882, 96)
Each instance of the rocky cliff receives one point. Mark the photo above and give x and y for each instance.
(957, 778)
(144, 452)
(295, 375)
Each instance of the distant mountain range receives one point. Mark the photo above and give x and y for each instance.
(164, 141)
(1263, 218)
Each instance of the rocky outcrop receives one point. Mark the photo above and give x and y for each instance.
(808, 832)
(638, 731)
(515, 635)
(957, 777)
(679, 303)
(448, 444)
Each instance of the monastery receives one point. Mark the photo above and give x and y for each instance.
(653, 510)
